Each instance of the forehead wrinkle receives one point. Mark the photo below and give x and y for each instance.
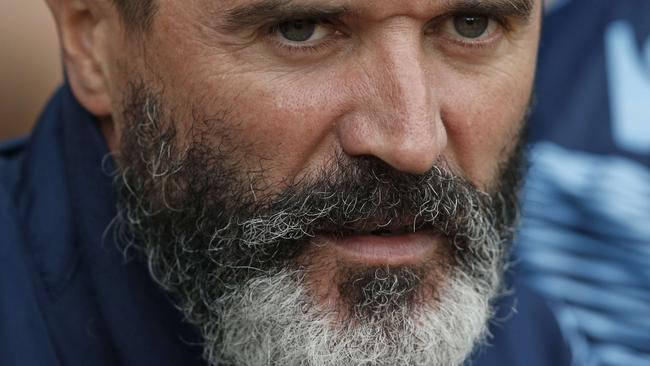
(256, 12)
(522, 4)
(426, 9)
(519, 7)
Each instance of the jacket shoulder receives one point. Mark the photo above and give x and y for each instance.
(22, 328)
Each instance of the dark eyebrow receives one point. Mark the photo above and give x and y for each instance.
(521, 9)
(268, 11)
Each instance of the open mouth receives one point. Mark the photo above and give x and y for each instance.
(393, 231)
(392, 228)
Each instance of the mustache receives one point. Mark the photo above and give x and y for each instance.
(366, 195)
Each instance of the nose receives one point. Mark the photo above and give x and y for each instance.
(395, 116)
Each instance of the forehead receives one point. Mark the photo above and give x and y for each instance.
(369, 9)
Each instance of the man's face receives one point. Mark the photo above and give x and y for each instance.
(326, 181)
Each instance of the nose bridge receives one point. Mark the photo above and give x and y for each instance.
(401, 84)
(400, 122)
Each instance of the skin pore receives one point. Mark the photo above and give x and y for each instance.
(336, 170)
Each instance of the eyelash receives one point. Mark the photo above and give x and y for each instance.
(502, 23)
(274, 28)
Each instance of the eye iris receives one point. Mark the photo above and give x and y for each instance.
(471, 26)
(297, 30)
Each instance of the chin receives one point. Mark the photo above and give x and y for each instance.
(384, 316)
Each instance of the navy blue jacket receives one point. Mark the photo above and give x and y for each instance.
(68, 296)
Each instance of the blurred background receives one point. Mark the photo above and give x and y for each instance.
(31, 68)
(584, 242)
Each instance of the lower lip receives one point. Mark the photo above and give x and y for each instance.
(386, 250)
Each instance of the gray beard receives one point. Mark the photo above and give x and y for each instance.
(234, 264)
(272, 318)
(266, 322)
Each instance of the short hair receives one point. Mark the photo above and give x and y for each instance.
(136, 14)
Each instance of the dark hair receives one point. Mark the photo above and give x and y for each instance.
(136, 14)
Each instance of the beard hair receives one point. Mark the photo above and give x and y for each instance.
(237, 264)
(270, 321)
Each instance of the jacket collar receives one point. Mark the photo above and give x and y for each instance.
(64, 187)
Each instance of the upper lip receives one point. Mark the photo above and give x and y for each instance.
(383, 227)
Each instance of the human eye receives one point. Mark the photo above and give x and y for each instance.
(302, 34)
(472, 30)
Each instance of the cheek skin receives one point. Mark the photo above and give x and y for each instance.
(282, 121)
(483, 113)
(290, 119)
(483, 123)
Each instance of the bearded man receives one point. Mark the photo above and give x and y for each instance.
(273, 182)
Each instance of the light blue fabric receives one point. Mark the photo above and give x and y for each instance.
(585, 243)
(628, 68)
(585, 236)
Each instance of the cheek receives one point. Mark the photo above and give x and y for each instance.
(286, 121)
(483, 117)
(280, 121)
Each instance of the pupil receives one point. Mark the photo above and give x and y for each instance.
(471, 26)
(297, 30)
